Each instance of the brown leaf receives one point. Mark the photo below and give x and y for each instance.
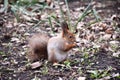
(81, 78)
(103, 26)
(116, 36)
(107, 36)
(109, 31)
(117, 54)
(104, 46)
(57, 64)
(35, 65)
(9, 24)
(49, 2)
(90, 37)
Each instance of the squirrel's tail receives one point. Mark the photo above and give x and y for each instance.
(38, 47)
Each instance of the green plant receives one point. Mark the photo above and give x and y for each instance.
(27, 2)
(118, 77)
(79, 70)
(2, 53)
(50, 22)
(99, 73)
(89, 9)
(23, 6)
(84, 14)
(67, 64)
(5, 8)
(45, 69)
(114, 47)
(85, 60)
(94, 74)
(93, 49)
(68, 14)
(86, 55)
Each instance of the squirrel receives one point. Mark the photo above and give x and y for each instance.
(55, 48)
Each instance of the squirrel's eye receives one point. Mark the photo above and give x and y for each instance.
(70, 36)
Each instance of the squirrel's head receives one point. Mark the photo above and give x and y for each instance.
(66, 33)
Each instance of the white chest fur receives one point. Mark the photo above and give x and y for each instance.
(61, 56)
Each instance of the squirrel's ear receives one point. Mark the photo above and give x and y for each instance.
(64, 26)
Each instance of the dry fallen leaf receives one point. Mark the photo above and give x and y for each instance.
(117, 54)
(116, 36)
(14, 39)
(104, 46)
(9, 24)
(103, 25)
(109, 31)
(35, 65)
(57, 64)
(114, 43)
(90, 37)
(49, 2)
(81, 78)
(106, 37)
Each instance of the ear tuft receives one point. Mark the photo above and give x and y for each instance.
(64, 26)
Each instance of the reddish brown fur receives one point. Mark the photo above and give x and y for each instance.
(55, 48)
(60, 45)
(69, 38)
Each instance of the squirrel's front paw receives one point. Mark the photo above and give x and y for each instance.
(75, 44)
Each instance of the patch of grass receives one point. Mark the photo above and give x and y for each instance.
(84, 14)
(118, 77)
(96, 15)
(88, 10)
(54, 16)
(96, 74)
(67, 64)
(29, 2)
(2, 53)
(68, 14)
(93, 49)
(85, 60)
(80, 70)
(50, 22)
(45, 69)
(114, 47)
(23, 6)
(6, 5)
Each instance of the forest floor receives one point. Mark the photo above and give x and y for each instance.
(97, 56)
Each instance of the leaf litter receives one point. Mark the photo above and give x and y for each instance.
(98, 44)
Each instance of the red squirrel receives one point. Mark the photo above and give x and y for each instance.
(55, 48)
